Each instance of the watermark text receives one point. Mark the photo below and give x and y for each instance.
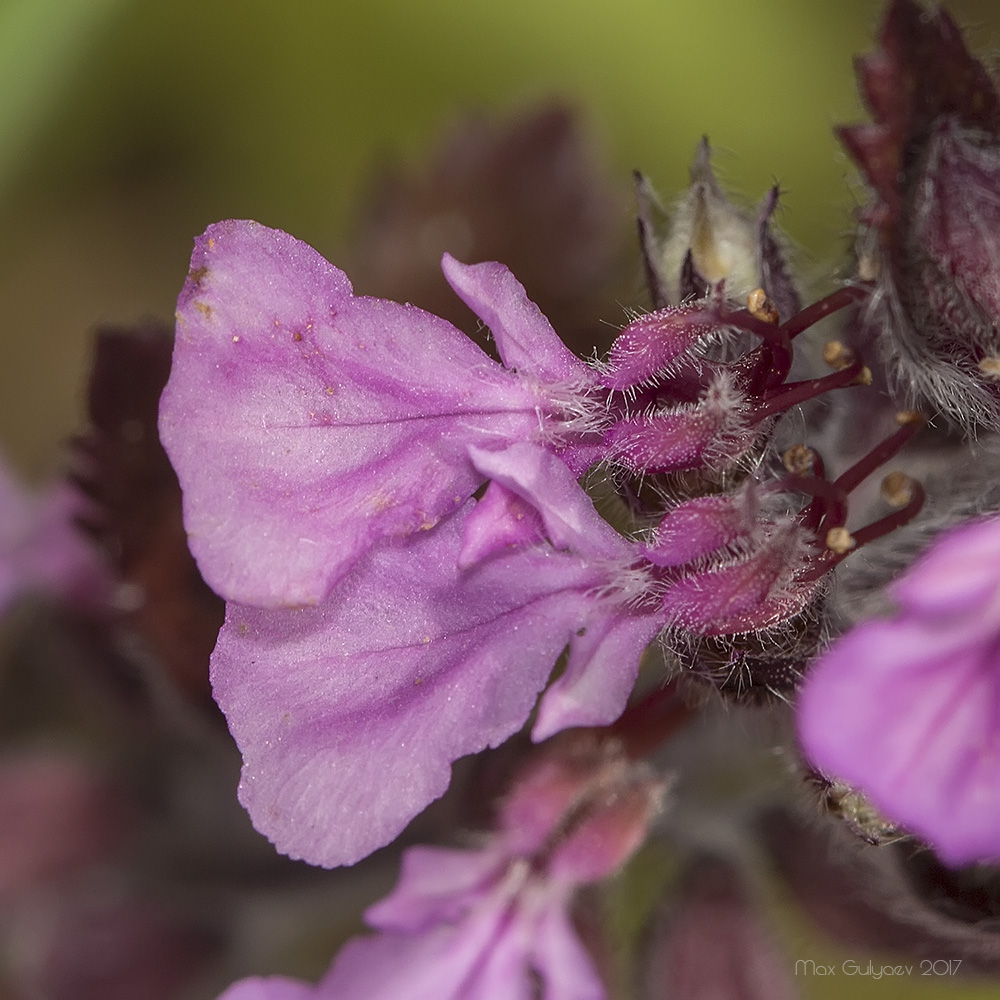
(874, 970)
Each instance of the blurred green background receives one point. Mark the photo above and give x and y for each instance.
(127, 127)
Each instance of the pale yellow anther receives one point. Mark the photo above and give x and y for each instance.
(761, 307)
(990, 367)
(838, 355)
(897, 489)
(799, 459)
(839, 540)
(907, 417)
(864, 377)
(869, 267)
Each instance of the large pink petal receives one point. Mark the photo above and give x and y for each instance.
(349, 715)
(306, 423)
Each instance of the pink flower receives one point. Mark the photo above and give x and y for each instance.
(381, 622)
(490, 924)
(908, 709)
(42, 551)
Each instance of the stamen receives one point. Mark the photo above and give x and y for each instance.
(770, 363)
(990, 367)
(775, 353)
(787, 396)
(761, 307)
(830, 503)
(897, 490)
(910, 422)
(823, 308)
(840, 540)
(863, 536)
(831, 499)
(838, 355)
(869, 267)
(800, 460)
(895, 520)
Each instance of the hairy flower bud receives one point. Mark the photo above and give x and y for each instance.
(713, 243)
(932, 158)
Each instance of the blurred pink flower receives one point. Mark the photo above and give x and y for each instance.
(494, 923)
(41, 549)
(908, 709)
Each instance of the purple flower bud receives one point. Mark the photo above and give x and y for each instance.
(652, 345)
(932, 158)
(702, 526)
(43, 552)
(713, 433)
(751, 593)
(713, 244)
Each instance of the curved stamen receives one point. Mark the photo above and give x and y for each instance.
(801, 460)
(841, 544)
(894, 520)
(822, 308)
(795, 393)
(829, 501)
(910, 422)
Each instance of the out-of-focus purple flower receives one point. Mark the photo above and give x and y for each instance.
(41, 549)
(494, 923)
(107, 948)
(57, 816)
(270, 988)
(74, 928)
(714, 946)
(908, 709)
(306, 423)
(530, 190)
